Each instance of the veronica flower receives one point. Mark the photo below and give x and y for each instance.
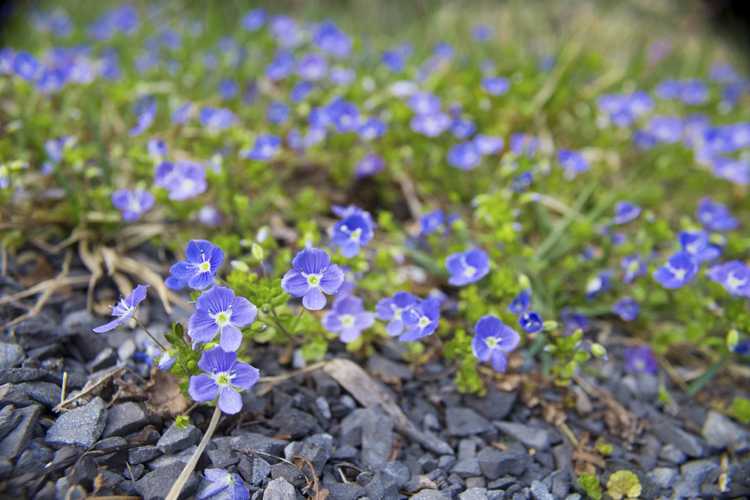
(254, 20)
(125, 309)
(641, 359)
(343, 114)
(531, 322)
(216, 119)
(736, 171)
(55, 148)
(145, 110)
(678, 271)
(734, 276)
(371, 164)
(219, 311)
(224, 378)
(462, 129)
(422, 320)
(430, 124)
(574, 321)
(329, 38)
(348, 318)
(353, 231)
(228, 89)
(26, 66)
(572, 162)
(521, 302)
(300, 91)
(280, 66)
(424, 103)
(132, 204)
(715, 216)
(495, 85)
(665, 129)
(371, 129)
(166, 361)
(182, 179)
(464, 156)
(698, 246)
(398, 311)
(626, 308)
(525, 144)
(492, 342)
(223, 485)
(467, 267)
(481, 32)
(626, 212)
(312, 275)
(432, 222)
(197, 271)
(277, 112)
(488, 145)
(312, 67)
(182, 113)
(632, 267)
(521, 182)
(599, 284)
(265, 148)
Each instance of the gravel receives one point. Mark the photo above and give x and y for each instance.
(279, 489)
(533, 437)
(721, 432)
(125, 418)
(11, 355)
(178, 438)
(80, 427)
(156, 484)
(464, 422)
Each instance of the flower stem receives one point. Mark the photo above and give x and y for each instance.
(174, 492)
(161, 346)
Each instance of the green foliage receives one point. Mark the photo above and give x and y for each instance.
(623, 484)
(589, 483)
(740, 409)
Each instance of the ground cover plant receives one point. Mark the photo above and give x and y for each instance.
(476, 209)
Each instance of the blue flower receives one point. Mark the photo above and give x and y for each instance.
(311, 276)
(157, 149)
(698, 245)
(524, 144)
(348, 318)
(430, 124)
(132, 204)
(222, 485)
(626, 308)
(492, 342)
(422, 321)
(223, 378)
(572, 162)
(464, 156)
(353, 231)
(395, 60)
(522, 182)
(398, 311)
(280, 66)
(266, 147)
(433, 222)
(182, 113)
(145, 110)
(665, 129)
(632, 266)
(531, 322)
(678, 271)
(715, 216)
(734, 276)
(286, 31)
(626, 212)
(488, 144)
(371, 164)
(329, 38)
(343, 114)
(300, 91)
(521, 302)
(371, 129)
(599, 284)
(467, 267)
(641, 359)
(481, 32)
(424, 103)
(125, 309)
(218, 311)
(216, 119)
(463, 128)
(197, 271)
(183, 179)
(254, 20)
(340, 75)
(26, 66)
(312, 67)
(574, 321)
(495, 85)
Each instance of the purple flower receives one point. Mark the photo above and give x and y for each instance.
(222, 485)
(265, 148)
(132, 204)
(26, 66)
(467, 267)
(371, 164)
(145, 110)
(464, 155)
(626, 212)
(228, 89)
(492, 342)
(166, 362)
(715, 216)
(525, 144)
(183, 179)
(343, 115)
(641, 359)
(521, 303)
(734, 276)
(353, 231)
(300, 91)
(599, 284)
(632, 267)
(488, 144)
(331, 39)
(698, 245)
(432, 222)
(254, 20)
(125, 309)
(182, 114)
(481, 32)
(219, 311)
(463, 129)
(424, 103)
(678, 271)
(626, 308)
(348, 318)
(574, 321)
(371, 129)
(277, 112)
(495, 85)
(157, 149)
(398, 311)
(423, 322)
(280, 66)
(311, 276)
(216, 119)
(197, 271)
(430, 124)
(572, 162)
(224, 378)
(531, 322)
(312, 67)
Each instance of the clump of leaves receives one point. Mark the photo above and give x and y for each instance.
(624, 484)
(740, 410)
(589, 483)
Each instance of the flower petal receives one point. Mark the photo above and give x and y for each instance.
(245, 376)
(217, 360)
(332, 279)
(108, 326)
(294, 283)
(314, 299)
(311, 261)
(216, 300)
(202, 327)
(202, 388)
(243, 311)
(230, 402)
(231, 338)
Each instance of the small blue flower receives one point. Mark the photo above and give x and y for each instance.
(343, 114)
(125, 309)
(166, 361)
(424, 103)
(353, 231)
(422, 321)
(182, 113)
(223, 378)
(531, 322)
(312, 67)
(626, 212)
(311, 276)
(329, 38)
(132, 203)
(599, 284)
(433, 222)
(371, 129)
(524, 144)
(280, 66)
(632, 267)
(254, 20)
(216, 119)
(348, 318)
(626, 308)
(488, 144)
(430, 124)
(145, 110)
(218, 311)
(679, 270)
(698, 245)
(370, 165)
(641, 359)
(183, 179)
(521, 302)
(572, 162)
(25, 66)
(464, 156)
(467, 267)
(197, 271)
(398, 311)
(462, 128)
(493, 341)
(665, 129)
(522, 182)
(300, 91)
(574, 321)
(495, 85)
(734, 276)
(481, 32)
(228, 89)
(266, 147)
(715, 216)
(222, 485)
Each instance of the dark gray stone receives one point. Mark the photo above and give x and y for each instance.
(279, 489)
(671, 453)
(8, 420)
(474, 494)
(79, 427)
(345, 452)
(177, 439)
(143, 454)
(289, 472)
(464, 422)
(684, 441)
(430, 495)
(317, 449)
(495, 405)
(249, 442)
(345, 491)
(721, 432)
(540, 492)
(112, 443)
(468, 467)
(45, 393)
(156, 484)
(387, 370)
(295, 423)
(495, 463)
(125, 418)
(182, 457)
(692, 475)
(222, 458)
(254, 470)
(20, 375)
(533, 437)
(33, 459)
(663, 477)
(377, 438)
(398, 472)
(11, 355)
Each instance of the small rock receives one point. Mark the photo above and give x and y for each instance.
(182, 457)
(143, 454)
(430, 495)
(11, 355)
(33, 459)
(156, 484)
(474, 494)
(345, 491)
(8, 420)
(495, 463)
(468, 467)
(398, 472)
(289, 472)
(533, 437)
(495, 405)
(80, 427)
(222, 457)
(104, 359)
(388, 371)
(540, 492)
(721, 432)
(177, 439)
(125, 418)
(111, 444)
(295, 423)
(279, 489)
(692, 476)
(671, 453)
(685, 442)
(254, 470)
(250, 442)
(19, 375)
(45, 393)
(465, 422)
(377, 438)
(664, 477)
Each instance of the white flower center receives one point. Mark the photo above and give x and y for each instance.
(491, 342)
(423, 321)
(347, 320)
(313, 279)
(354, 235)
(222, 318)
(470, 271)
(223, 379)
(204, 266)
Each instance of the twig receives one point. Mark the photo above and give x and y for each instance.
(89, 388)
(271, 382)
(64, 387)
(174, 492)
